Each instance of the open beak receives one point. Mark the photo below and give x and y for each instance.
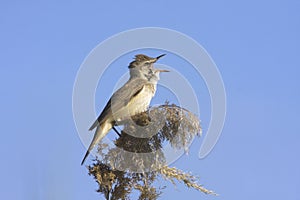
(161, 70)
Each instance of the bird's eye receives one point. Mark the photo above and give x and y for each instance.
(147, 63)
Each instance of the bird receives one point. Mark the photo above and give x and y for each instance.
(132, 98)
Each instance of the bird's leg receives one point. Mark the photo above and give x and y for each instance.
(148, 113)
(107, 195)
(117, 131)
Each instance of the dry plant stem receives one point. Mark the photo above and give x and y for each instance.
(165, 123)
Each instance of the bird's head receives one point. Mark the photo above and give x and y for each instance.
(142, 67)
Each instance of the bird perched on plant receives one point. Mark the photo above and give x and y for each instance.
(132, 98)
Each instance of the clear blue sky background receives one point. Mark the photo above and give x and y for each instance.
(255, 44)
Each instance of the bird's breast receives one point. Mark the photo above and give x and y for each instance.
(137, 104)
(141, 102)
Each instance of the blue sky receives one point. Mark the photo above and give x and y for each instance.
(255, 45)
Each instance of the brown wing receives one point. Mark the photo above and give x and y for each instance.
(120, 99)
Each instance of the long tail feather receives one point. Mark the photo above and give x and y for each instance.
(101, 131)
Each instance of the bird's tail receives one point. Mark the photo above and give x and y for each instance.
(101, 131)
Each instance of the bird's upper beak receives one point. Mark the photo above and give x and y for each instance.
(158, 57)
(153, 60)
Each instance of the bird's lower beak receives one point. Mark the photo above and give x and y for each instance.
(163, 70)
